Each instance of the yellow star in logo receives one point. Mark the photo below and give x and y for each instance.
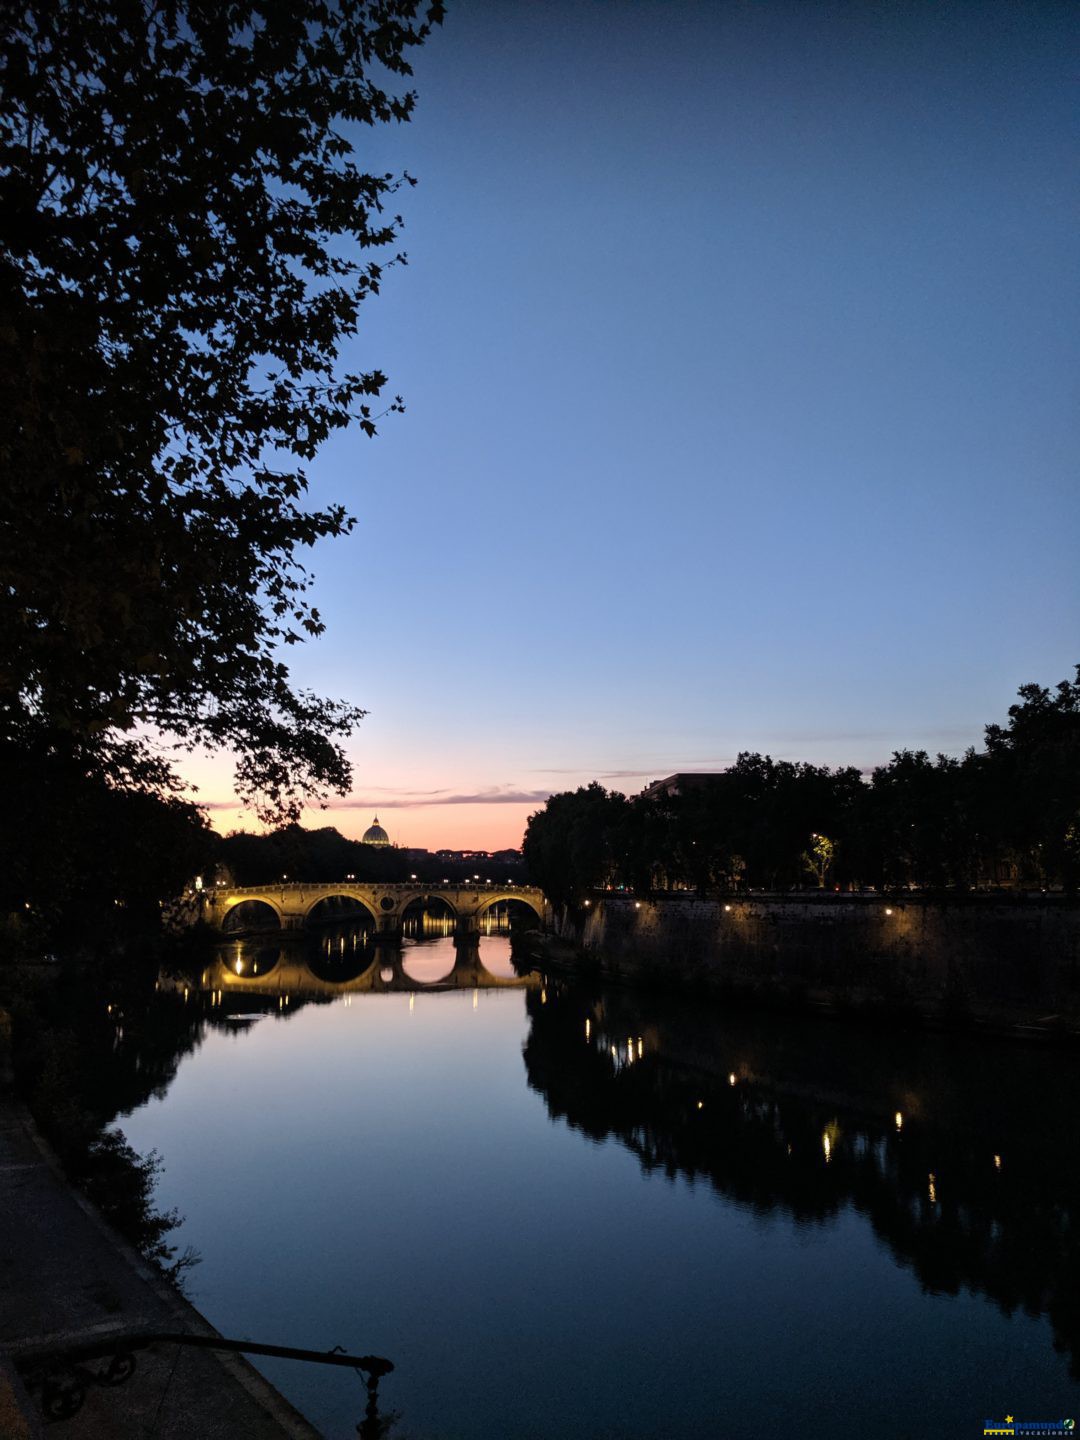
(1008, 1419)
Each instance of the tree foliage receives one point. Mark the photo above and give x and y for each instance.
(1010, 813)
(574, 843)
(187, 240)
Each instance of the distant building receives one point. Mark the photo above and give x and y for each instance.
(679, 784)
(375, 835)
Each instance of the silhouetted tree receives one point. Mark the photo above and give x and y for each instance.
(1034, 772)
(187, 240)
(769, 824)
(570, 844)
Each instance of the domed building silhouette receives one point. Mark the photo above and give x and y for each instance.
(375, 835)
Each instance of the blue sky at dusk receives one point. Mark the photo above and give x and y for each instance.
(739, 345)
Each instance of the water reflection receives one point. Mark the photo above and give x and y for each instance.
(351, 959)
(822, 1161)
(963, 1157)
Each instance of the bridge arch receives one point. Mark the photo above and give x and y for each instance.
(358, 908)
(427, 915)
(242, 912)
(509, 897)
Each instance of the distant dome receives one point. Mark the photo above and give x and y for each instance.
(375, 835)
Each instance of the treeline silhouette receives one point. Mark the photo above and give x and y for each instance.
(1008, 814)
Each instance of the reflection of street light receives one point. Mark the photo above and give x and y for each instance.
(198, 882)
(412, 877)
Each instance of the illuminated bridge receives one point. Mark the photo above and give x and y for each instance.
(298, 905)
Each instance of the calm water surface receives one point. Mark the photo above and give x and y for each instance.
(591, 1213)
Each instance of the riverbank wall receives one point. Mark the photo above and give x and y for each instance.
(1013, 959)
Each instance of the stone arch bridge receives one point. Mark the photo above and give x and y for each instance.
(293, 902)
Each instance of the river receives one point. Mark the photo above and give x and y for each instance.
(596, 1214)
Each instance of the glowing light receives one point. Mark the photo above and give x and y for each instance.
(727, 909)
(701, 1104)
(630, 1051)
(829, 1136)
(239, 967)
(475, 998)
(899, 1119)
(588, 902)
(997, 1162)
(888, 910)
(412, 1001)
(731, 1078)
(588, 1028)
(931, 1188)
(543, 997)
(640, 1047)
(637, 904)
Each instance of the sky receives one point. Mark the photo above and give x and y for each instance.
(739, 349)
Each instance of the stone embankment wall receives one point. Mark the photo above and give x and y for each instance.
(1016, 957)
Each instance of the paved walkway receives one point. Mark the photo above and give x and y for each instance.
(65, 1279)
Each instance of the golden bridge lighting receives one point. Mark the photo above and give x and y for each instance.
(899, 1119)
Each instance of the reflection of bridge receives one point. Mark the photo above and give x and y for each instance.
(293, 903)
(285, 971)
